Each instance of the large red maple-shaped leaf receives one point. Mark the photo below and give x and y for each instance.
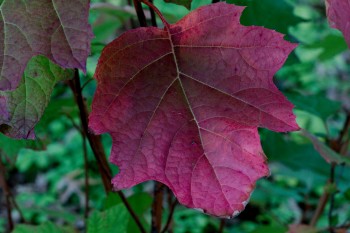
(56, 29)
(338, 13)
(183, 105)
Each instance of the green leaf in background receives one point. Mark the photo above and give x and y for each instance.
(23, 107)
(327, 153)
(139, 202)
(292, 154)
(47, 227)
(106, 20)
(270, 229)
(114, 220)
(317, 105)
(331, 45)
(277, 15)
(10, 147)
(185, 3)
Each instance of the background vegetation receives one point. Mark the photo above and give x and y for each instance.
(46, 178)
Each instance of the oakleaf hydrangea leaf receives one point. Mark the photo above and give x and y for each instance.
(56, 29)
(183, 105)
(21, 109)
(338, 13)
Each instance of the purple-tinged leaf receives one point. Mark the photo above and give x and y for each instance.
(21, 109)
(56, 29)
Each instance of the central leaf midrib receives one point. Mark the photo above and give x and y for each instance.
(194, 116)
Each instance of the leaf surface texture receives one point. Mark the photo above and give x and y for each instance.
(338, 13)
(183, 105)
(56, 29)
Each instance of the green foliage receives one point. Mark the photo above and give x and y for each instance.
(277, 15)
(114, 219)
(27, 103)
(47, 227)
(47, 176)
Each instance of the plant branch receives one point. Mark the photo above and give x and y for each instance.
(97, 147)
(332, 196)
(222, 226)
(153, 16)
(140, 14)
(320, 207)
(157, 207)
(7, 192)
(153, 7)
(94, 140)
(86, 170)
(339, 146)
(170, 217)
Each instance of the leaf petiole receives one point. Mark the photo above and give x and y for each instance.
(153, 7)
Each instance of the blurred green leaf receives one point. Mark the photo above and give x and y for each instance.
(294, 155)
(331, 45)
(26, 104)
(347, 194)
(327, 153)
(10, 147)
(277, 15)
(47, 227)
(139, 202)
(114, 219)
(185, 3)
(317, 105)
(270, 229)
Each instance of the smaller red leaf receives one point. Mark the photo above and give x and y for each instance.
(56, 29)
(338, 13)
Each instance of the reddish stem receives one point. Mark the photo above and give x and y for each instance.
(170, 217)
(97, 147)
(153, 7)
(338, 146)
(140, 14)
(7, 192)
(157, 207)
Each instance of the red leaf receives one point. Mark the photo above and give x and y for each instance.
(183, 105)
(58, 30)
(338, 13)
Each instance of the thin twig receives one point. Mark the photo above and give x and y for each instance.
(21, 216)
(86, 170)
(140, 14)
(320, 207)
(86, 83)
(86, 165)
(94, 140)
(153, 16)
(332, 197)
(222, 226)
(157, 207)
(338, 146)
(97, 147)
(153, 7)
(77, 127)
(170, 217)
(7, 192)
